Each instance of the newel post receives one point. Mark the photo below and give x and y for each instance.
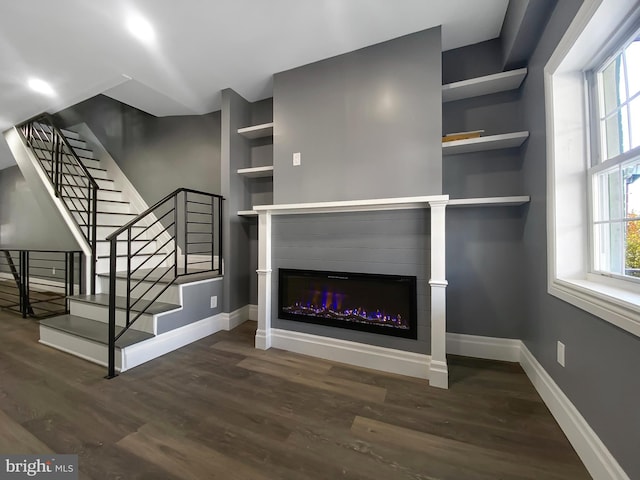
(438, 371)
(263, 334)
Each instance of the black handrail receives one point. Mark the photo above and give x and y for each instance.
(177, 218)
(40, 281)
(71, 180)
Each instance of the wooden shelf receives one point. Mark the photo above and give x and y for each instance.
(476, 87)
(257, 131)
(247, 213)
(256, 172)
(491, 142)
(489, 202)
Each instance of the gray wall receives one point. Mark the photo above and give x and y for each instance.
(196, 306)
(26, 224)
(601, 374)
(367, 124)
(236, 153)
(151, 150)
(396, 243)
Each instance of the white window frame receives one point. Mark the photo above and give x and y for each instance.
(597, 26)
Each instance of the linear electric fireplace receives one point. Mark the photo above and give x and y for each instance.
(383, 304)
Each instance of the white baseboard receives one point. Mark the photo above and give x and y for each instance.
(236, 318)
(505, 349)
(253, 313)
(593, 453)
(353, 353)
(142, 352)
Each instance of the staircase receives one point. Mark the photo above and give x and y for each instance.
(148, 259)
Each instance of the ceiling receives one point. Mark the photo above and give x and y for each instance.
(83, 48)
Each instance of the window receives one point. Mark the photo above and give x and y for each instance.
(614, 177)
(593, 163)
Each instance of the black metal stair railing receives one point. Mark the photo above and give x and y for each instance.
(36, 283)
(71, 180)
(179, 235)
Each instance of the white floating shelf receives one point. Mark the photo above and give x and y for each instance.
(257, 131)
(247, 213)
(489, 202)
(256, 172)
(476, 87)
(492, 142)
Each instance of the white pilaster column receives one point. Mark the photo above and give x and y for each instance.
(263, 334)
(438, 372)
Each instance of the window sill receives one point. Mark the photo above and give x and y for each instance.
(616, 305)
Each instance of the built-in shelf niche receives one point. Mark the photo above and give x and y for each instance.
(260, 177)
(480, 144)
(476, 87)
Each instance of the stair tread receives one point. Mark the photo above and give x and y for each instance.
(88, 168)
(103, 299)
(99, 200)
(194, 276)
(71, 174)
(84, 186)
(94, 330)
(106, 213)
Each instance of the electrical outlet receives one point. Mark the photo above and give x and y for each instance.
(214, 301)
(53, 271)
(561, 353)
(296, 159)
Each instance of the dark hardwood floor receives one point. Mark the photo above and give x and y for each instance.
(219, 409)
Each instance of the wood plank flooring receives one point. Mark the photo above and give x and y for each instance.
(219, 409)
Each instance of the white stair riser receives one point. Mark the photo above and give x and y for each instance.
(107, 184)
(80, 183)
(105, 195)
(114, 207)
(74, 169)
(90, 163)
(170, 295)
(79, 346)
(67, 133)
(79, 147)
(81, 152)
(121, 263)
(105, 231)
(74, 142)
(82, 193)
(104, 248)
(87, 162)
(100, 313)
(116, 219)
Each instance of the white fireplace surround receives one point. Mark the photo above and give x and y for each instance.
(435, 365)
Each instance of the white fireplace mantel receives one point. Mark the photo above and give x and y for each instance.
(437, 363)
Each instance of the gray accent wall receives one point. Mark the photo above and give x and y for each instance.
(157, 154)
(196, 301)
(394, 243)
(367, 124)
(601, 374)
(25, 223)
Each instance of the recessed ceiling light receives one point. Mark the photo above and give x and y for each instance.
(141, 29)
(41, 86)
